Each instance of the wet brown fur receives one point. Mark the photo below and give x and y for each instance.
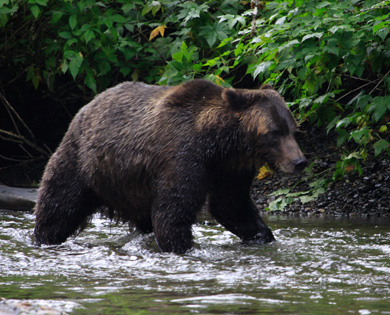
(256, 121)
(152, 155)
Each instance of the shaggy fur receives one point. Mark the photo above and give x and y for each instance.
(152, 155)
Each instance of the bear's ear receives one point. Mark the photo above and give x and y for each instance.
(266, 87)
(235, 99)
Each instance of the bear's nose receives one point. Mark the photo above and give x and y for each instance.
(300, 164)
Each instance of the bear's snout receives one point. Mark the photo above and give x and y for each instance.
(291, 159)
(300, 164)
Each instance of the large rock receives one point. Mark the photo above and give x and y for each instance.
(17, 198)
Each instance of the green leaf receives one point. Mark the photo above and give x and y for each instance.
(90, 81)
(380, 146)
(156, 7)
(319, 184)
(110, 54)
(344, 122)
(153, 6)
(362, 100)
(108, 22)
(332, 50)
(281, 20)
(279, 204)
(379, 107)
(125, 70)
(232, 20)
(64, 66)
(178, 56)
(210, 35)
(33, 75)
(317, 35)
(353, 156)
(190, 11)
(307, 198)
(146, 9)
(380, 26)
(359, 133)
(261, 68)
(65, 35)
(35, 10)
(280, 192)
(88, 35)
(128, 53)
(343, 136)
(383, 32)
(104, 67)
(345, 28)
(73, 21)
(118, 18)
(323, 98)
(288, 45)
(383, 129)
(75, 61)
(128, 7)
(56, 16)
(41, 2)
(214, 32)
(323, 4)
(332, 124)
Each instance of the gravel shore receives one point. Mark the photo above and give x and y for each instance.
(365, 195)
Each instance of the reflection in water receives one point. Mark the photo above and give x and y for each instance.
(317, 265)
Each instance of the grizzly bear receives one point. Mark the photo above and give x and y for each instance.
(154, 155)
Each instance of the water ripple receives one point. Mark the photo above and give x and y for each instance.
(317, 261)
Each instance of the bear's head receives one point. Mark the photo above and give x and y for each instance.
(267, 127)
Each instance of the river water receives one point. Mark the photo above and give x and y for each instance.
(317, 266)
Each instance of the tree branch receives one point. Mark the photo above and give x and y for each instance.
(380, 82)
(14, 112)
(13, 137)
(255, 5)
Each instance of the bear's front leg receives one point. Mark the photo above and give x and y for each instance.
(231, 204)
(174, 212)
(172, 234)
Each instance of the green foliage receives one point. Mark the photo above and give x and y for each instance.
(285, 196)
(330, 59)
(100, 42)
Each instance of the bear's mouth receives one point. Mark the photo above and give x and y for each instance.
(289, 167)
(284, 167)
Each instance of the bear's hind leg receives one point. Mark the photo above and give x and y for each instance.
(144, 225)
(63, 207)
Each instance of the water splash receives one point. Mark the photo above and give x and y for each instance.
(315, 264)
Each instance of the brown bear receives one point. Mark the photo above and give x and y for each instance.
(153, 155)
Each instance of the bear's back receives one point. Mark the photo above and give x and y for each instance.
(124, 97)
(128, 127)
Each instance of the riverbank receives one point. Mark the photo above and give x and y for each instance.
(365, 195)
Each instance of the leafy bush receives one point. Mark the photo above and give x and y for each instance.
(331, 59)
(101, 42)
